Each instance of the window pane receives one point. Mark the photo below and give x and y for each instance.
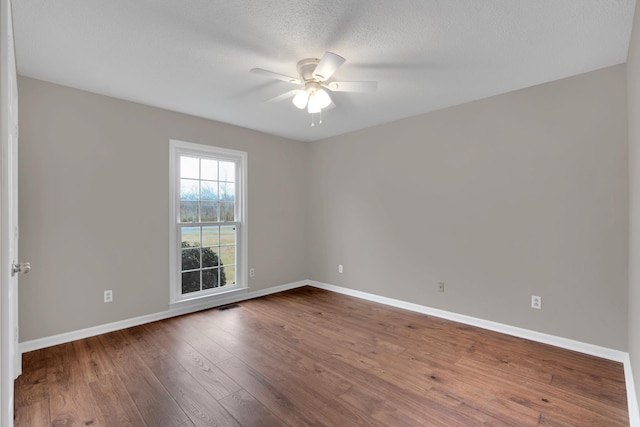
(227, 211)
(189, 189)
(227, 235)
(191, 282)
(190, 237)
(210, 278)
(227, 191)
(227, 171)
(209, 211)
(228, 255)
(208, 190)
(188, 211)
(209, 169)
(229, 276)
(210, 236)
(190, 259)
(210, 257)
(189, 167)
(207, 193)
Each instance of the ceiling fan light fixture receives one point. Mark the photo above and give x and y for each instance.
(314, 105)
(322, 98)
(301, 98)
(318, 99)
(315, 76)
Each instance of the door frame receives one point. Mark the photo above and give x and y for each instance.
(10, 357)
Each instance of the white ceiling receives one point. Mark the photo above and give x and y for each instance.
(194, 56)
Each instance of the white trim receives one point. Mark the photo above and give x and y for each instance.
(591, 349)
(240, 158)
(594, 350)
(632, 397)
(206, 300)
(10, 360)
(186, 307)
(175, 310)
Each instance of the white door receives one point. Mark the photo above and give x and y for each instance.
(10, 360)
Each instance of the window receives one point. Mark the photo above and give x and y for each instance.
(208, 228)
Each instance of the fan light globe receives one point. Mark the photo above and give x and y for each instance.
(314, 106)
(301, 98)
(318, 100)
(322, 98)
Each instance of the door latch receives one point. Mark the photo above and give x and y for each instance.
(21, 267)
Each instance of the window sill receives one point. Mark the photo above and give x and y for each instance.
(207, 301)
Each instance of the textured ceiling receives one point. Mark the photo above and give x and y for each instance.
(194, 56)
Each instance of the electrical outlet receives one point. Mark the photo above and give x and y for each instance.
(440, 286)
(340, 268)
(536, 302)
(108, 296)
(252, 272)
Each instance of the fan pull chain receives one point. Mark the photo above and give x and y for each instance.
(313, 122)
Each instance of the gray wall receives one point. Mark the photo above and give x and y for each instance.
(633, 97)
(94, 206)
(516, 195)
(504, 198)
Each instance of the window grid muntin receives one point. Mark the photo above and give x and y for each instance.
(226, 199)
(221, 192)
(238, 206)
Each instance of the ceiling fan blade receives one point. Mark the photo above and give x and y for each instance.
(272, 75)
(284, 96)
(352, 86)
(328, 65)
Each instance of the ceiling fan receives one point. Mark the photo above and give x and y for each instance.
(314, 76)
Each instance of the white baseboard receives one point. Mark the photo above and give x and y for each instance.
(591, 349)
(236, 296)
(594, 350)
(184, 308)
(174, 310)
(632, 397)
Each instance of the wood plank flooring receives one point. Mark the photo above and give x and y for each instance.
(309, 357)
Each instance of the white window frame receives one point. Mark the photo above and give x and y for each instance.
(180, 148)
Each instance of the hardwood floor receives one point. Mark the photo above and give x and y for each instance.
(312, 357)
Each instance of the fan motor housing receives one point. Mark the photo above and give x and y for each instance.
(306, 68)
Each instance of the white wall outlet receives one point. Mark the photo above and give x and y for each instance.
(340, 268)
(440, 286)
(536, 302)
(252, 272)
(108, 296)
